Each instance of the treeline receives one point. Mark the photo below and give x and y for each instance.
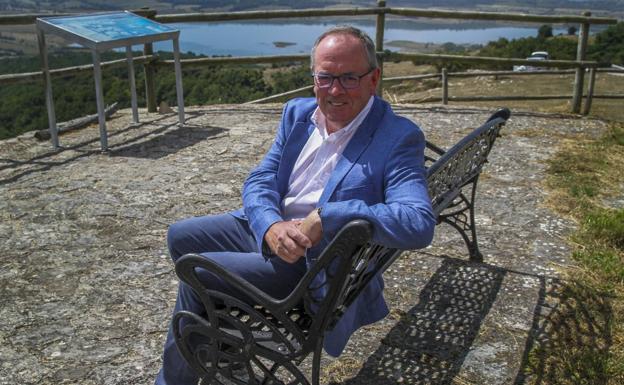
(606, 47)
(23, 108)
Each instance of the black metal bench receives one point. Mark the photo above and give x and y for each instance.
(235, 343)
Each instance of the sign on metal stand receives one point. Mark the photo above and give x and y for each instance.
(100, 32)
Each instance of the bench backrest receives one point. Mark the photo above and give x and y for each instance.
(462, 163)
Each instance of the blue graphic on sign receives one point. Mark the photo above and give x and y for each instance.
(110, 26)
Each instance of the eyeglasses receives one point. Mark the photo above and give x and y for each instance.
(347, 81)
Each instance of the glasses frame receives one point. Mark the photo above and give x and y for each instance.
(339, 77)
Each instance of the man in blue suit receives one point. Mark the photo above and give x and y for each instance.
(339, 156)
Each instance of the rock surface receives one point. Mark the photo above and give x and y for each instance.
(87, 287)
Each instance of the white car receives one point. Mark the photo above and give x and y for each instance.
(535, 56)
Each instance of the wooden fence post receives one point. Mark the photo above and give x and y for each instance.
(150, 73)
(444, 86)
(590, 91)
(379, 37)
(579, 78)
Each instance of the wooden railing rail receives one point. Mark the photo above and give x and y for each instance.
(419, 57)
(441, 58)
(71, 71)
(519, 17)
(202, 61)
(410, 12)
(18, 19)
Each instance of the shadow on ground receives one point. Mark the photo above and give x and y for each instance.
(168, 143)
(430, 342)
(149, 140)
(569, 318)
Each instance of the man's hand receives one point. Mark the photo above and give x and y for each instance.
(312, 227)
(286, 240)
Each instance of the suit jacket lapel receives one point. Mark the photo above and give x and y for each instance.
(294, 144)
(354, 149)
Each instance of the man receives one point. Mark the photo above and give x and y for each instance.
(341, 156)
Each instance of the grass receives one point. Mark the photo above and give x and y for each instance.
(412, 92)
(582, 338)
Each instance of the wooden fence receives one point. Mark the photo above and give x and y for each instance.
(151, 62)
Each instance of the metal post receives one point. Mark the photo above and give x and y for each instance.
(444, 86)
(43, 51)
(150, 73)
(590, 91)
(133, 94)
(178, 76)
(99, 97)
(379, 38)
(150, 76)
(580, 72)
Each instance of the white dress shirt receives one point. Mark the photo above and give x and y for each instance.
(316, 162)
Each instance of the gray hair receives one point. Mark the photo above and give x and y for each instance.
(367, 42)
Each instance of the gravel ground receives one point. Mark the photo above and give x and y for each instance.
(87, 287)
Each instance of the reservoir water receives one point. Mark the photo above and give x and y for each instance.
(258, 38)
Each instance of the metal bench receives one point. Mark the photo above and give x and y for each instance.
(237, 343)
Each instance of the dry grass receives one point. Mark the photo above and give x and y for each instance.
(582, 337)
(340, 370)
(415, 91)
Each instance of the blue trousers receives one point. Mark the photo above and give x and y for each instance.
(228, 241)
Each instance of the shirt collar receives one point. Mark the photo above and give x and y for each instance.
(318, 119)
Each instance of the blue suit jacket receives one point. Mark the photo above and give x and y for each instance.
(380, 177)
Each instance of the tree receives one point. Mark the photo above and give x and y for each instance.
(572, 30)
(609, 45)
(544, 32)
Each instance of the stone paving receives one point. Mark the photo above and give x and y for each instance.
(87, 287)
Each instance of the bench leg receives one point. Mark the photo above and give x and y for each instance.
(316, 362)
(462, 219)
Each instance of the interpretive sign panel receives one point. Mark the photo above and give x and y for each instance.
(107, 30)
(99, 32)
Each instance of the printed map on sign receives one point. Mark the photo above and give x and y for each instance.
(109, 26)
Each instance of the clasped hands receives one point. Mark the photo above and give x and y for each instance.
(289, 239)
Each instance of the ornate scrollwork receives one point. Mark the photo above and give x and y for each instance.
(238, 344)
(455, 169)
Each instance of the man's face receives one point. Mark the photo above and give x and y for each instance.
(341, 54)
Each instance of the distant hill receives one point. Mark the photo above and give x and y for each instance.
(529, 6)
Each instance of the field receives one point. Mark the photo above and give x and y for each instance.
(414, 91)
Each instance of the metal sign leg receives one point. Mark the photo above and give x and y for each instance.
(178, 76)
(99, 96)
(43, 52)
(133, 94)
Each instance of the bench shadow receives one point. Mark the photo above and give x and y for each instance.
(430, 342)
(572, 319)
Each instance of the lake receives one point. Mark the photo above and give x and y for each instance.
(258, 38)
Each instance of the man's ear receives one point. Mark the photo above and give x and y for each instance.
(375, 78)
